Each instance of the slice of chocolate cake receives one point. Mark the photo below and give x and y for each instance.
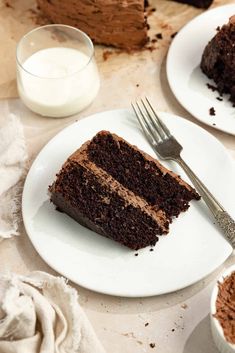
(218, 59)
(119, 23)
(120, 192)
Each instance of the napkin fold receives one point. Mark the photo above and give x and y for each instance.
(40, 313)
(13, 156)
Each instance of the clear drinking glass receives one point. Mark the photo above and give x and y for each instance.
(57, 74)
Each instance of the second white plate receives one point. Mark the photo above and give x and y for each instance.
(193, 248)
(185, 77)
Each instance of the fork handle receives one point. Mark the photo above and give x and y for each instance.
(223, 219)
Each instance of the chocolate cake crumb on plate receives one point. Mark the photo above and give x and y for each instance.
(212, 111)
(159, 35)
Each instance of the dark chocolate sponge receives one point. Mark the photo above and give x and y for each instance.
(218, 59)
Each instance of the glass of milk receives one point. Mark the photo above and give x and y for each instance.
(57, 74)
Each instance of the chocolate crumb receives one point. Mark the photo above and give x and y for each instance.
(152, 345)
(153, 10)
(213, 88)
(148, 26)
(136, 254)
(219, 99)
(151, 249)
(154, 40)
(7, 4)
(137, 85)
(214, 125)
(146, 324)
(151, 48)
(159, 35)
(106, 54)
(173, 35)
(172, 330)
(218, 28)
(212, 111)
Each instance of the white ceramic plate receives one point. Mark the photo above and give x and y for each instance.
(194, 247)
(185, 77)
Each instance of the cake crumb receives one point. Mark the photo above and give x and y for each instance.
(152, 345)
(151, 48)
(212, 111)
(107, 54)
(159, 36)
(213, 88)
(173, 35)
(154, 40)
(184, 306)
(150, 11)
(7, 4)
(146, 324)
(137, 85)
(219, 99)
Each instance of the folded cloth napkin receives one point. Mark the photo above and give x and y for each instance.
(40, 313)
(13, 156)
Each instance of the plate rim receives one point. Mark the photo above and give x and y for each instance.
(81, 283)
(171, 48)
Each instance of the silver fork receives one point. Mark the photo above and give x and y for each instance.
(167, 147)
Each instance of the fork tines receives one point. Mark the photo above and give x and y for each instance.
(150, 122)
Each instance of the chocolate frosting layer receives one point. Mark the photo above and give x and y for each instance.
(119, 23)
(225, 307)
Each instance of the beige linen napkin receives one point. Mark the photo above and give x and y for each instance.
(40, 313)
(12, 167)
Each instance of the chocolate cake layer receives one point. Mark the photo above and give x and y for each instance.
(218, 59)
(120, 192)
(140, 173)
(112, 22)
(99, 203)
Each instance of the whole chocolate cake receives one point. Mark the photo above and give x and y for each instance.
(120, 192)
(218, 59)
(204, 4)
(112, 22)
